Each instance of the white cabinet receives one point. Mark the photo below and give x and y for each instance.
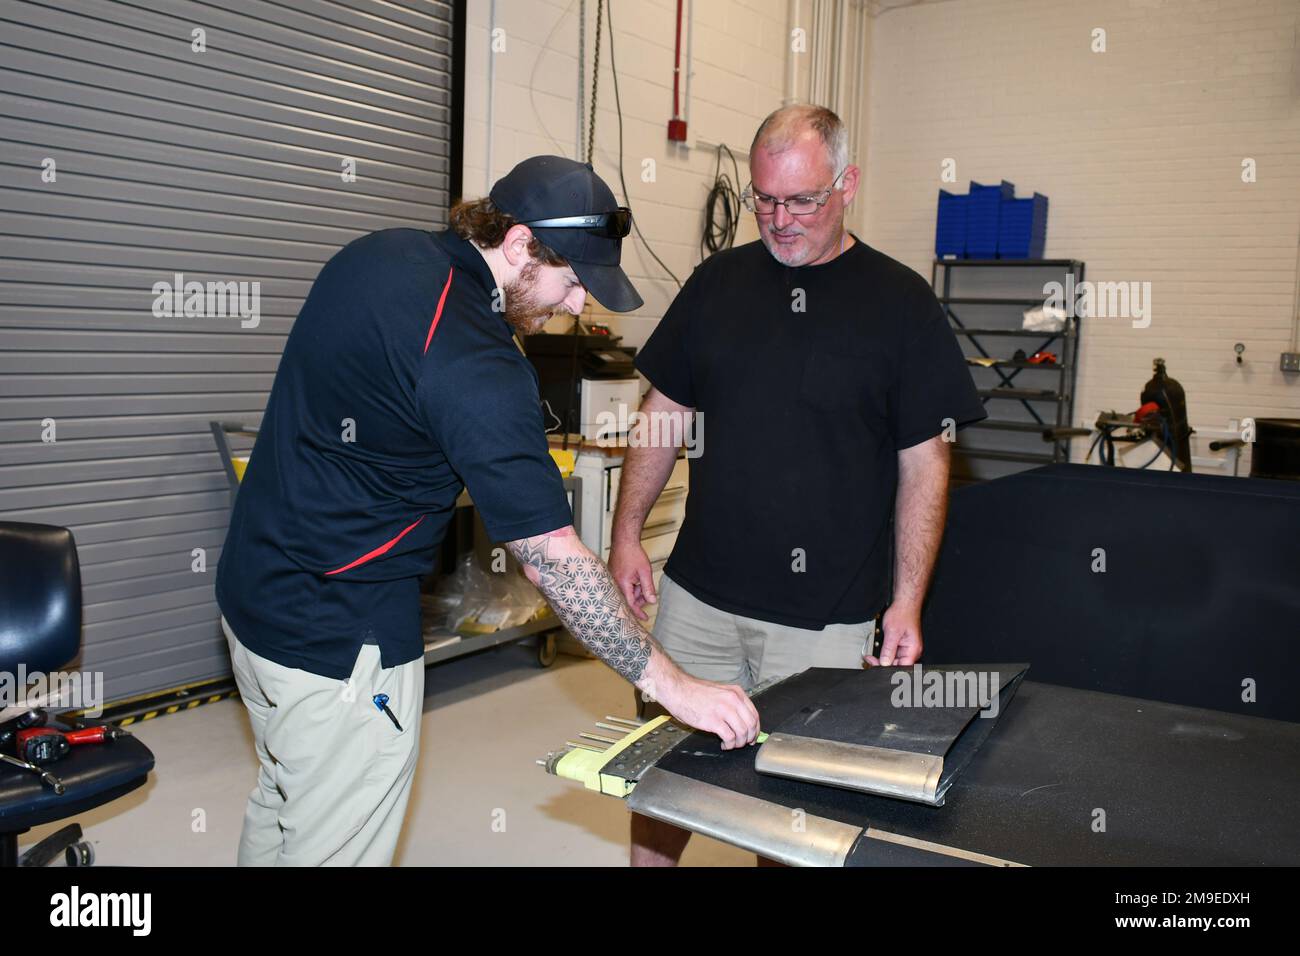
(601, 473)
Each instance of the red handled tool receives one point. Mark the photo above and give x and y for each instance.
(42, 745)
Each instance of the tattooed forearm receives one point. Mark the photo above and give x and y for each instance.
(578, 586)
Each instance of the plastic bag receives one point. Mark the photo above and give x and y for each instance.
(475, 601)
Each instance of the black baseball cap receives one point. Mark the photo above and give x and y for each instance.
(553, 187)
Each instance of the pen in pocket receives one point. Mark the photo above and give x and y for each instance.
(381, 701)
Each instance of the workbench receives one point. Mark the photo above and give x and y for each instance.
(1157, 726)
(1067, 777)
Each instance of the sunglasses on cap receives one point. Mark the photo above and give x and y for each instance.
(609, 225)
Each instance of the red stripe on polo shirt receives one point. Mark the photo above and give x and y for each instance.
(437, 314)
(382, 549)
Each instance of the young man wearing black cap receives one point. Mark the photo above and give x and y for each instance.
(399, 385)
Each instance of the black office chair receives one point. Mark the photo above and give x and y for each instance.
(40, 627)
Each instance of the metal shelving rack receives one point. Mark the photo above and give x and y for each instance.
(445, 645)
(1060, 397)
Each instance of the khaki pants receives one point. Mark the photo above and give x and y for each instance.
(719, 646)
(334, 774)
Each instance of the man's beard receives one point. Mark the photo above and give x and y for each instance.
(795, 258)
(790, 257)
(524, 313)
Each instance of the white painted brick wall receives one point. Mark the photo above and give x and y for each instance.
(738, 54)
(1139, 149)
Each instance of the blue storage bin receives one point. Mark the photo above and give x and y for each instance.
(1022, 228)
(950, 225)
(984, 211)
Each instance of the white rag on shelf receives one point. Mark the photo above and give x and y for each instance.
(1044, 318)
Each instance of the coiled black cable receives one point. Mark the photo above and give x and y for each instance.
(722, 208)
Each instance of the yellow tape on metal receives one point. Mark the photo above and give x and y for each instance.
(584, 766)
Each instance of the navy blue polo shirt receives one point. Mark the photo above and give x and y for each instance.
(399, 385)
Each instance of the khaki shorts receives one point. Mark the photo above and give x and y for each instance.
(730, 649)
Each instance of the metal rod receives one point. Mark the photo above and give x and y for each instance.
(570, 743)
(598, 737)
(47, 778)
(614, 727)
(631, 722)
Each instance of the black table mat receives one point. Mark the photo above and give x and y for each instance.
(1178, 785)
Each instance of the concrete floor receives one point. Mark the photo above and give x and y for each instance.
(487, 718)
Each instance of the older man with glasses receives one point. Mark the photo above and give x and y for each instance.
(832, 386)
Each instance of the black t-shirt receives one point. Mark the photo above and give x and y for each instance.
(809, 380)
(398, 348)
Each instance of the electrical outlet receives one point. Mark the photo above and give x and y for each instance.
(1291, 361)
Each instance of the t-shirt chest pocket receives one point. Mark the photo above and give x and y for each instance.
(837, 380)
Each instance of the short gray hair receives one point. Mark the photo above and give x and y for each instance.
(777, 133)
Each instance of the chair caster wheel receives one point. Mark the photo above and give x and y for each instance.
(80, 854)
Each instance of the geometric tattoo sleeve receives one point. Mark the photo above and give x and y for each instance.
(584, 596)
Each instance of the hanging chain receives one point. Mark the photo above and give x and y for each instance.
(595, 83)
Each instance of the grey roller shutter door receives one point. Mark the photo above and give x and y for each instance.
(223, 165)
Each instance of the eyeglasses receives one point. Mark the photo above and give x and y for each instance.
(795, 205)
(610, 225)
